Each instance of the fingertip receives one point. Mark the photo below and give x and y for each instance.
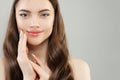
(25, 36)
(35, 59)
(33, 56)
(20, 33)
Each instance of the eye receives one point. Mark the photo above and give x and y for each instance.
(23, 15)
(45, 14)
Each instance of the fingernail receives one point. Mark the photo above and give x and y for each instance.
(20, 33)
(33, 56)
(31, 62)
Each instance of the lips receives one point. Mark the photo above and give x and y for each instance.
(34, 33)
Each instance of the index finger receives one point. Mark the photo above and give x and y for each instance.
(22, 48)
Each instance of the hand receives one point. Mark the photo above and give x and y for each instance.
(22, 58)
(39, 68)
(31, 70)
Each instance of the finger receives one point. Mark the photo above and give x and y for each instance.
(34, 60)
(37, 61)
(20, 33)
(24, 41)
(19, 29)
(39, 70)
(22, 46)
(20, 42)
(20, 36)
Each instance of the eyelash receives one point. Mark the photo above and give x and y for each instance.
(43, 15)
(23, 15)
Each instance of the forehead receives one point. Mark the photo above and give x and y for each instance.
(34, 5)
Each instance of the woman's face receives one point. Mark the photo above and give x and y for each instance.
(35, 18)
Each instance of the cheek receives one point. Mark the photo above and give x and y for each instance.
(48, 27)
(48, 24)
(21, 24)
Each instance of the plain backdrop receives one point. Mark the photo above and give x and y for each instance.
(93, 33)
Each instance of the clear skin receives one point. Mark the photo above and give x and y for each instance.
(34, 15)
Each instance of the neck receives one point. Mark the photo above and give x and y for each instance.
(39, 51)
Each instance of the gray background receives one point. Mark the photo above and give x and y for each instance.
(93, 32)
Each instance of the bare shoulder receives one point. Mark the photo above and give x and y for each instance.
(81, 70)
(2, 71)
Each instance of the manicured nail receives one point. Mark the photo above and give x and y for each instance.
(33, 55)
(20, 33)
(35, 59)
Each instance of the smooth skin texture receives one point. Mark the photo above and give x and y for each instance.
(27, 66)
(32, 57)
(37, 15)
(80, 69)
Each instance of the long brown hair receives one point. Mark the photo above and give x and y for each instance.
(57, 53)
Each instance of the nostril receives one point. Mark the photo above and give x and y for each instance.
(34, 26)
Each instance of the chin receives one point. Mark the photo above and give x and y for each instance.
(36, 43)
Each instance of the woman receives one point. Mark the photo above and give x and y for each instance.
(35, 45)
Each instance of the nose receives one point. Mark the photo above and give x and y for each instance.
(34, 23)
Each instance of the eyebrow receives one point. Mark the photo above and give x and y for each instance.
(25, 10)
